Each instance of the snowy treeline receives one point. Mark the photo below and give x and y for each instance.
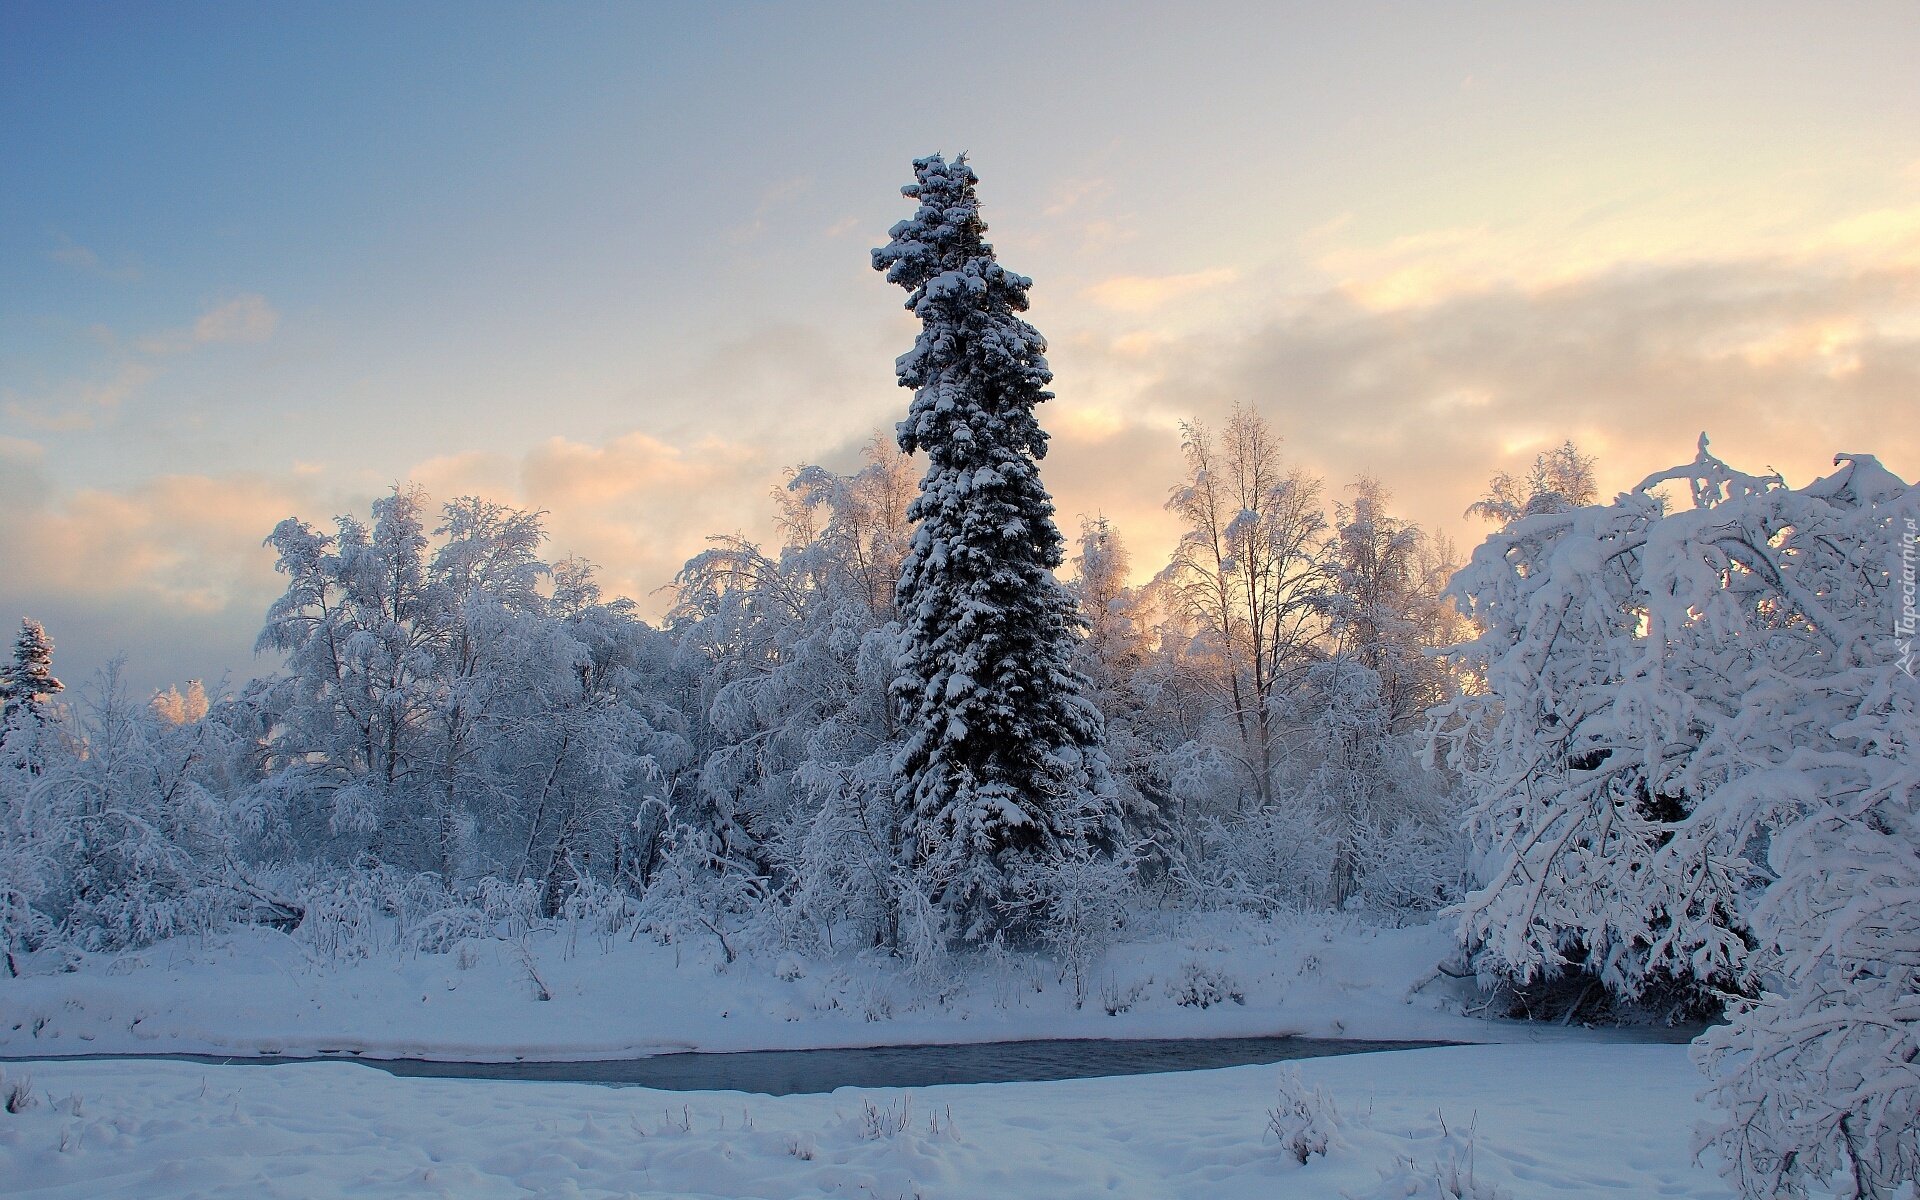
(453, 703)
(438, 712)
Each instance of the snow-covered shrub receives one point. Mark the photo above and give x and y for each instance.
(18, 1091)
(877, 1122)
(1115, 999)
(850, 885)
(1203, 985)
(1280, 859)
(26, 866)
(342, 921)
(697, 890)
(924, 933)
(510, 909)
(599, 910)
(1272, 858)
(1412, 868)
(1355, 816)
(1449, 1178)
(1819, 1079)
(356, 914)
(1086, 898)
(105, 808)
(1303, 1120)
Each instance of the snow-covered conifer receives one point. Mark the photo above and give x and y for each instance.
(27, 683)
(1003, 759)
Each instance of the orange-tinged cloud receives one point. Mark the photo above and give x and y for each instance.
(1782, 362)
(1883, 237)
(1551, 251)
(635, 505)
(1149, 293)
(187, 542)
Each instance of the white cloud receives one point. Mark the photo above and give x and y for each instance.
(771, 200)
(245, 318)
(85, 404)
(81, 406)
(71, 254)
(1073, 193)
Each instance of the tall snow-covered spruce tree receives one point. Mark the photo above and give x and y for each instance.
(1003, 768)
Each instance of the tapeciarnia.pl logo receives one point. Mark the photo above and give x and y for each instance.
(1903, 625)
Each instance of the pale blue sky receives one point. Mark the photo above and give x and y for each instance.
(612, 260)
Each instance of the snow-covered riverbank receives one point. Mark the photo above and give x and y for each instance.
(254, 991)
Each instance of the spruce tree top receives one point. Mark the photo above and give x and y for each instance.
(966, 302)
(28, 680)
(1003, 753)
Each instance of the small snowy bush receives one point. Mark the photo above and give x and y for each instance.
(1451, 1178)
(1201, 985)
(19, 1092)
(1086, 905)
(697, 889)
(1304, 1121)
(1115, 999)
(1277, 857)
(877, 1123)
(1412, 869)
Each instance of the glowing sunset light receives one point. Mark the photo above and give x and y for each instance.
(612, 264)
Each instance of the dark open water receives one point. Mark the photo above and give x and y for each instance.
(787, 1072)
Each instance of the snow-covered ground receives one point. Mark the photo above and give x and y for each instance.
(254, 991)
(1526, 1121)
(1563, 1113)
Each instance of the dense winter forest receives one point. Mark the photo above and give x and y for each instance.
(1656, 755)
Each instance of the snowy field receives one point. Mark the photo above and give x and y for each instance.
(1496, 1121)
(254, 991)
